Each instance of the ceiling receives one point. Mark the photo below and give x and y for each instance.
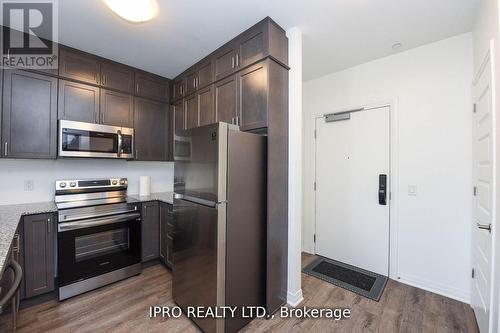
(337, 34)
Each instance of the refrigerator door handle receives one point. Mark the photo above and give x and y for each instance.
(196, 200)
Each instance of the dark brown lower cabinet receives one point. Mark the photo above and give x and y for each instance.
(39, 252)
(166, 234)
(151, 130)
(150, 221)
(29, 125)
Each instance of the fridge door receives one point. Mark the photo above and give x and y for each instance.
(203, 174)
(199, 258)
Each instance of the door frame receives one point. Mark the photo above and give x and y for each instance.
(494, 315)
(393, 176)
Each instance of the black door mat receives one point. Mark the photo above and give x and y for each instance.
(357, 280)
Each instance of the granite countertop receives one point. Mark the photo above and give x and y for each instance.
(167, 197)
(10, 216)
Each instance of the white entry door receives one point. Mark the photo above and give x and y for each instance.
(352, 221)
(483, 200)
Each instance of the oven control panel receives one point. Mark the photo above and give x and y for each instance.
(107, 183)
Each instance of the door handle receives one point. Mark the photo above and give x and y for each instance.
(382, 190)
(484, 226)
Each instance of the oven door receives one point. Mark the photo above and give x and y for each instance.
(92, 247)
(77, 139)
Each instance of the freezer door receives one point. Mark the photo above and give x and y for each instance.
(203, 175)
(199, 255)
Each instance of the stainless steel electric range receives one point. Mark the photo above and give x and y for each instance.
(99, 234)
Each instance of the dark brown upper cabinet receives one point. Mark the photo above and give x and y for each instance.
(205, 100)
(151, 86)
(253, 87)
(205, 73)
(226, 99)
(29, 126)
(178, 89)
(118, 77)
(225, 60)
(78, 65)
(151, 130)
(191, 79)
(39, 267)
(179, 118)
(78, 102)
(192, 115)
(117, 109)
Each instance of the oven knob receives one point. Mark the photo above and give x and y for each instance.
(123, 182)
(115, 182)
(72, 184)
(62, 185)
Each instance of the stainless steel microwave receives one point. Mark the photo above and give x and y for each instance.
(78, 139)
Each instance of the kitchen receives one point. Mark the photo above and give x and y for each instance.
(253, 167)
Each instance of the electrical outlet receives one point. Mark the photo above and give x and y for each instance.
(29, 185)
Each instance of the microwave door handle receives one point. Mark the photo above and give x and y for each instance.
(120, 142)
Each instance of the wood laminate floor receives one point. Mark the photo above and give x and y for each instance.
(124, 306)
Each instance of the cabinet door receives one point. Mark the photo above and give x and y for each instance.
(150, 231)
(151, 86)
(205, 74)
(163, 231)
(179, 118)
(77, 65)
(191, 79)
(39, 238)
(178, 88)
(78, 102)
(192, 116)
(251, 46)
(29, 115)
(225, 61)
(226, 106)
(117, 77)
(206, 106)
(151, 130)
(253, 92)
(117, 109)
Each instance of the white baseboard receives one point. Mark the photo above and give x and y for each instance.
(437, 288)
(294, 299)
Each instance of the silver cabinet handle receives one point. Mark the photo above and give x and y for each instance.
(484, 226)
(237, 59)
(49, 226)
(232, 62)
(237, 120)
(6, 148)
(137, 153)
(197, 82)
(137, 87)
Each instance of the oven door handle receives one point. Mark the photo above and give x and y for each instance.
(97, 222)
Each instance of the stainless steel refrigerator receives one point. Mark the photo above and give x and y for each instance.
(219, 245)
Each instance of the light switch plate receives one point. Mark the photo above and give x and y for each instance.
(412, 190)
(29, 185)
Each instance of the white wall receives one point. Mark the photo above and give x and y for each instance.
(430, 89)
(44, 173)
(487, 29)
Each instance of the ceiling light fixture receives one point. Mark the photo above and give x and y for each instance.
(134, 10)
(397, 46)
